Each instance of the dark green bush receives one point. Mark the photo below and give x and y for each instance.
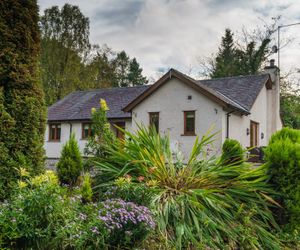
(232, 152)
(70, 164)
(283, 161)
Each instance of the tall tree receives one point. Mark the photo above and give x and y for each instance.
(127, 71)
(234, 59)
(135, 76)
(65, 45)
(21, 99)
(225, 61)
(121, 68)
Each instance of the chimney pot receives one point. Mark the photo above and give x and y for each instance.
(272, 63)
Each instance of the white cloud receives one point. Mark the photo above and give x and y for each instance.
(173, 33)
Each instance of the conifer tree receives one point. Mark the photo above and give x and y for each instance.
(225, 62)
(233, 59)
(22, 102)
(135, 76)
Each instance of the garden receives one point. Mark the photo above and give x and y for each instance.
(138, 194)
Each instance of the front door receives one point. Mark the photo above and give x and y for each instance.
(254, 126)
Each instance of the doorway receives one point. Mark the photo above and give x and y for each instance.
(254, 131)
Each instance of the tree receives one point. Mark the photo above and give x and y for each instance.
(234, 59)
(70, 163)
(69, 62)
(127, 72)
(65, 45)
(225, 61)
(100, 71)
(290, 103)
(135, 76)
(121, 68)
(22, 102)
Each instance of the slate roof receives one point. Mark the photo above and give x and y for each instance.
(239, 92)
(77, 105)
(243, 90)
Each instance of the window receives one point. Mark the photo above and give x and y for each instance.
(154, 120)
(54, 132)
(254, 127)
(189, 122)
(86, 130)
(119, 133)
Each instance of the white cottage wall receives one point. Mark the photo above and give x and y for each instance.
(171, 100)
(238, 125)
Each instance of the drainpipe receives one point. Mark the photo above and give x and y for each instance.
(227, 123)
(70, 128)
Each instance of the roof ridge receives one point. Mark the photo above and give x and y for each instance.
(233, 77)
(111, 88)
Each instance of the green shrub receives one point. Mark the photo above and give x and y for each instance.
(232, 152)
(86, 188)
(84, 229)
(70, 164)
(126, 189)
(283, 162)
(200, 204)
(32, 216)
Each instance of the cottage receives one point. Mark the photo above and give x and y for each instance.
(245, 108)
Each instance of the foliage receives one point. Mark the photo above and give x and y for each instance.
(127, 222)
(283, 161)
(48, 177)
(101, 132)
(69, 62)
(22, 109)
(290, 103)
(233, 60)
(8, 166)
(83, 229)
(70, 163)
(128, 190)
(201, 203)
(43, 215)
(86, 188)
(232, 152)
(31, 217)
(127, 72)
(134, 75)
(65, 43)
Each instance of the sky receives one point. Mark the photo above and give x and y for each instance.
(179, 34)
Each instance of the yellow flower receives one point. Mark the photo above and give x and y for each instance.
(24, 172)
(103, 105)
(93, 110)
(22, 184)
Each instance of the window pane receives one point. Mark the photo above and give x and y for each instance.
(52, 133)
(55, 130)
(58, 130)
(190, 121)
(86, 130)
